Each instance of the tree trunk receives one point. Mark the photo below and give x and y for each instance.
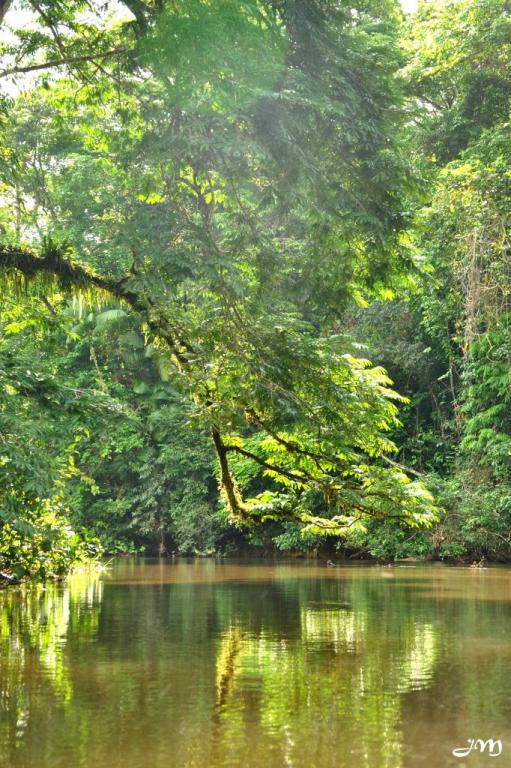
(162, 549)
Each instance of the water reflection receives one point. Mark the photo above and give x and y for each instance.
(34, 626)
(198, 664)
(303, 683)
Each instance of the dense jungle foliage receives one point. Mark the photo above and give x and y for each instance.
(214, 214)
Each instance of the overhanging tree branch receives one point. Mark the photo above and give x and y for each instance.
(64, 62)
(275, 468)
(70, 275)
(55, 263)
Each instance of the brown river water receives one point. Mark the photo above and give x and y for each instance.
(204, 664)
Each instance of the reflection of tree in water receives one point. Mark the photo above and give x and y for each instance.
(272, 672)
(337, 685)
(264, 670)
(34, 625)
(227, 665)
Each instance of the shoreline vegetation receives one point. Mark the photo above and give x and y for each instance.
(255, 276)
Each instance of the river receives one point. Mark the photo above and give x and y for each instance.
(204, 664)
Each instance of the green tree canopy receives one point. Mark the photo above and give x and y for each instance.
(231, 172)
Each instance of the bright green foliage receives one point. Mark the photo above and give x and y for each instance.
(237, 209)
(460, 55)
(236, 194)
(40, 543)
(445, 341)
(488, 400)
(36, 453)
(137, 473)
(460, 67)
